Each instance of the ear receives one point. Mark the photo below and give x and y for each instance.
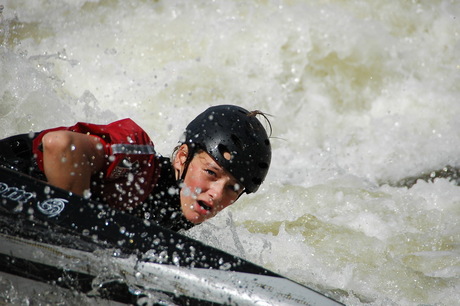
(180, 158)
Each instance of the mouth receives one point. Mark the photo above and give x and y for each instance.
(203, 205)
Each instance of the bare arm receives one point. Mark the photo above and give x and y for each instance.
(70, 159)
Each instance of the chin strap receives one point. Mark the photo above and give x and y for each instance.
(181, 177)
(180, 183)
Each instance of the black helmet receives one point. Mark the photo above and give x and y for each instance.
(232, 129)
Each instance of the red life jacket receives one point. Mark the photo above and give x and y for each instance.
(131, 170)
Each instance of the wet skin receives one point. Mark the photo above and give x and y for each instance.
(207, 188)
(70, 159)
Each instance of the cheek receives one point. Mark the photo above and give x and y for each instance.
(193, 180)
(229, 199)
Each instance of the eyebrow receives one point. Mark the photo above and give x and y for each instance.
(215, 166)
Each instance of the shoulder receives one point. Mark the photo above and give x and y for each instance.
(122, 131)
(119, 125)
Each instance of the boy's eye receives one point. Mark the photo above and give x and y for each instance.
(210, 172)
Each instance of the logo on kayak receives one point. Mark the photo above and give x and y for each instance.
(49, 207)
(14, 194)
(52, 207)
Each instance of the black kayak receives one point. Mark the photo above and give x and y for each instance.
(50, 236)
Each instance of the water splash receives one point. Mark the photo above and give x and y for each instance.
(364, 96)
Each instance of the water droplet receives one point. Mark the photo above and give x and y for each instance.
(163, 256)
(225, 266)
(176, 258)
(172, 191)
(187, 192)
(87, 194)
(130, 177)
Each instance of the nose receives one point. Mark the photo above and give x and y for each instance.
(216, 191)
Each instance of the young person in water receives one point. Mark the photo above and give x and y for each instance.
(226, 152)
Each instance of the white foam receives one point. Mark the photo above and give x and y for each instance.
(363, 94)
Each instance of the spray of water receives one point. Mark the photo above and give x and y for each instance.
(363, 95)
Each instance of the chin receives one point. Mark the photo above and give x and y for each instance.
(193, 217)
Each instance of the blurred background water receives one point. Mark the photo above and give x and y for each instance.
(363, 94)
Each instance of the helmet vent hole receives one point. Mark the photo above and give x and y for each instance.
(225, 152)
(237, 141)
(263, 165)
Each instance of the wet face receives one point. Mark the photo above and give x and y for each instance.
(208, 188)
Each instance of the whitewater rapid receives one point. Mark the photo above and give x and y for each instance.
(363, 94)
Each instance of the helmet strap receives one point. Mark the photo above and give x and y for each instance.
(181, 176)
